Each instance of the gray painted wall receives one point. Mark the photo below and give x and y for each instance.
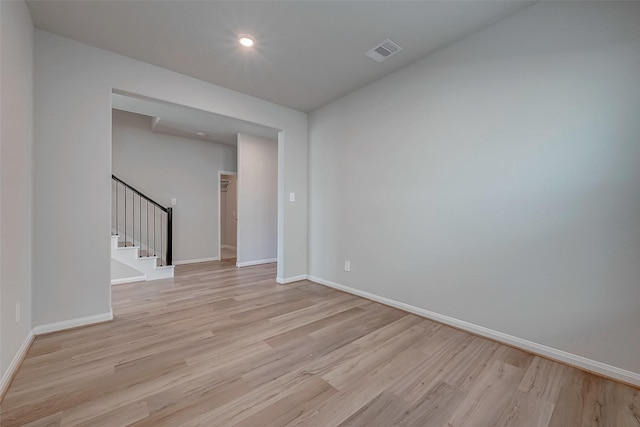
(257, 198)
(72, 156)
(16, 170)
(165, 167)
(496, 181)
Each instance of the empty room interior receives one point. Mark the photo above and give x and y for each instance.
(320, 213)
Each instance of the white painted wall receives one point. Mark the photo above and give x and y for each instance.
(496, 181)
(165, 167)
(257, 199)
(72, 155)
(16, 171)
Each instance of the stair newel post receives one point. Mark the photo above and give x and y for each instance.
(133, 218)
(140, 219)
(169, 235)
(117, 210)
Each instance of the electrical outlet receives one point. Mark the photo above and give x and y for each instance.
(347, 266)
(18, 314)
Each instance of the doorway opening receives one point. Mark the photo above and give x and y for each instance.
(228, 215)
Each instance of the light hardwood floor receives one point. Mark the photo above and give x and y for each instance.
(220, 346)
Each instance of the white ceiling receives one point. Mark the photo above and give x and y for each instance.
(308, 53)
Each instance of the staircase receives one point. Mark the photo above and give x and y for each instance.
(147, 265)
(141, 234)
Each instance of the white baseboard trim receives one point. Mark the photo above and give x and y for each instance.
(15, 364)
(583, 363)
(127, 280)
(228, 247)
(282, 281)
(73, 323)
(5, 381)
(195, 261)
(257, 262)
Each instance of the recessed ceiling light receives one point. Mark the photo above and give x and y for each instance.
(201, 134)
(246, 40)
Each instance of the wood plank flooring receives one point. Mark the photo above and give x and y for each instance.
(220, 346)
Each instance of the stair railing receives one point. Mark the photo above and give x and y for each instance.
(138, 220)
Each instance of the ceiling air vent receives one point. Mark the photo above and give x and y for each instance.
(383, 51)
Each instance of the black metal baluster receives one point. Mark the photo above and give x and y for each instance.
(147, 224)
(125, 217)
(154, 231)
(161, 251)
